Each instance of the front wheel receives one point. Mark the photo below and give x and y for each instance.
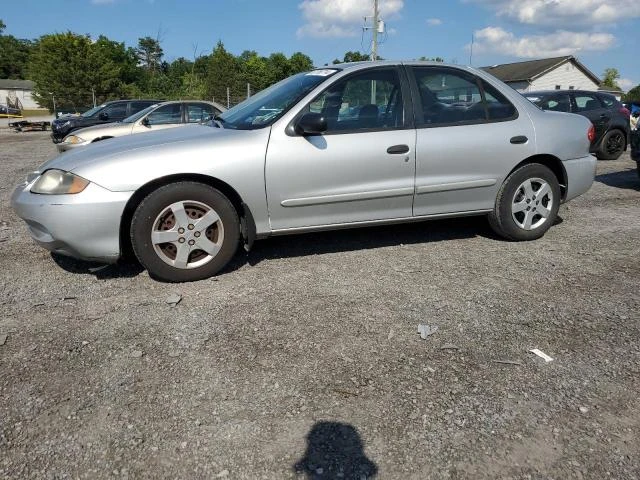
(185, 231)
(527, 203)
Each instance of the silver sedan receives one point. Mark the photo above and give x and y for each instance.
(350, 145)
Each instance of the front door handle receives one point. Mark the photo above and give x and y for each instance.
(398, 149)
(519, 140)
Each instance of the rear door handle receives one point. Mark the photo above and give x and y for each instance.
(519, 139)
(398, 149)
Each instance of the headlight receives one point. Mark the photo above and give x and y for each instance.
(58, 182)
(73, 139)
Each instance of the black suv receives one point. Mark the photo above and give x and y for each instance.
(105, 113)
(609, 117)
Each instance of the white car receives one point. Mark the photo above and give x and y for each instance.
(155, 117)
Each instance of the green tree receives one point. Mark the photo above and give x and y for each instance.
(14, 55)
(633, 95)
(299, 62)
(149, 53)
(353, 57)
(432, 59)
(71, 67)
(610, 78)
(223, 71)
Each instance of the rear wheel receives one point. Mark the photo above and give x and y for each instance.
(185, 231)
(527, 203)
(611, 146)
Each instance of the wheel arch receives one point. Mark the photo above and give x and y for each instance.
(552, 163)
(247, 223)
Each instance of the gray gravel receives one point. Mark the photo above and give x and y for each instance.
(302, 359)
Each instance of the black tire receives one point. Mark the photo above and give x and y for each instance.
(612, 145)
(502, 219)
(195, 196)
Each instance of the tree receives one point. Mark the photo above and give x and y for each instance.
(71, 67)
(299, 62)
(633, 95)
(149, 53)
(353, 57)
(610, 78)
(14, 55)
(432, 59)
(223, 71)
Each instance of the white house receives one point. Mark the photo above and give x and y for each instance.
(559, 73)
(17, 94)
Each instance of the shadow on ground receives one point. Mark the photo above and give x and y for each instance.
(312, 244)
(125, 269)
(335, 450)
(348, 240)
(627, 179)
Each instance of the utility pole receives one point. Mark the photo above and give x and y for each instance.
(374, 41)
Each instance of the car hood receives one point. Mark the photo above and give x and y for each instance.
(125, 163)
(115, 128)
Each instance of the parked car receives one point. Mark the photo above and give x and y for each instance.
(430, 141)
(155, 117)
(609, 117)
(105, 113)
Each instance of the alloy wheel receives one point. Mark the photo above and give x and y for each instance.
(187, 234)
(532, 204)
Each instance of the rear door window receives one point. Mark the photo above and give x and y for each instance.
(452, 97)
(586, 102)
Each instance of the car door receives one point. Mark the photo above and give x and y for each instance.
(469, 136)
(165, 116)
(360, 170)
(589, 105)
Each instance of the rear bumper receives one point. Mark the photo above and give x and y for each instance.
(84, 226)
(580, 175)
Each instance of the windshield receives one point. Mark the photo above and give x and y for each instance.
(137, 116)
(90, 113)
(267, 106)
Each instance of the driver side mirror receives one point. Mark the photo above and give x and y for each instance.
(311, 124)
(103, 116)
(145, 122)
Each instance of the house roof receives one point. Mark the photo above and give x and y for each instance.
(8, 84)
(530, 70)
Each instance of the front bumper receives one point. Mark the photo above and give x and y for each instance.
(85, 225)
(580, 175)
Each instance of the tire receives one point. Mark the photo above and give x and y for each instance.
(173, 213)
(516, 215)
(612, 145)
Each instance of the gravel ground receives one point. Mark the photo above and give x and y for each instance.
(303, 359)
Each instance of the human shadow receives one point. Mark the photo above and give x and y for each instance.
(626, 179)
(335, 450)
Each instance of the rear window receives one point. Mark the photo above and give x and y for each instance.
(608, 101)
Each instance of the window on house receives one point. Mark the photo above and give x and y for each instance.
(558, 87)
(571, 87)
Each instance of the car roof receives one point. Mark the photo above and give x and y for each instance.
(392, 63)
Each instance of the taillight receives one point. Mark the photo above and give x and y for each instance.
(591, 133)
(625, 112)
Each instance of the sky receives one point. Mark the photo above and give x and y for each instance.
(601, 33)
